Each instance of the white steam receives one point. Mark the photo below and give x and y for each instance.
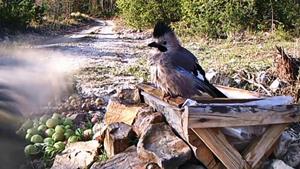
(32, 78)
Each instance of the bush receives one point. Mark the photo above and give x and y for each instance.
(219, 17)
(19, 13)
(144, 13)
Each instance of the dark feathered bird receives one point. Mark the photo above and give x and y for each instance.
(174, 69)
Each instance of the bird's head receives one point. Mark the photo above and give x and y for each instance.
(165, 38)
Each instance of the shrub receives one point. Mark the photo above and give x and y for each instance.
(19, 13)
(219, 17)
(144, 13)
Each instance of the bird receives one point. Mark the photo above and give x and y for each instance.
(174, 69)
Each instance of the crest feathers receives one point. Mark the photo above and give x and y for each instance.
(161, 29)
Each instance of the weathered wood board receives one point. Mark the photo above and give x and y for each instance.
(210, 116)
(206, 119)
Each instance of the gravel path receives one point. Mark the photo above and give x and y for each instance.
(105, 57)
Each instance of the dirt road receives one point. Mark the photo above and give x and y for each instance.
(105, 55)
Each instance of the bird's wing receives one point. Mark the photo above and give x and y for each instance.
(184, 59)
(200, 84)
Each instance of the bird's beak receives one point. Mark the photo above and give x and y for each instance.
(158, 46)
(153, 44)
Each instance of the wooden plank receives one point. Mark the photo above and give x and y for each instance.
(217, 143)
(238, 93)
(258, 149)
(177, 101)
(211, 116)
(175, 116)
(201, 151)
(119, 112)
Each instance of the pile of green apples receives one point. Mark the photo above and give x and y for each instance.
(50, 134)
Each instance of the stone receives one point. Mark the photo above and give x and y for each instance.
(292, 156)
(161, 146)
(262, 77)
(282, 147)
(276, 164)
(144, 119)
(275, 85)
(210, 74)
(118, 137)
(78, 118)
(79, 155)
(128, 159)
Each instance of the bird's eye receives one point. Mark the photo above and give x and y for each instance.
(165, 42)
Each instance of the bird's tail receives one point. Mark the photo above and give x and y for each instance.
(208, 88)
(217, 92)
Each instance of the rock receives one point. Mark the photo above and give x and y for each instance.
(275, 85)
(144, 119)
(210, 74)
(118, 137)
(262, 77)
(277, 164)
(79, 155)
(129, 159)
(119, 111)
(160, 145)
(292, 156)
(78, 118)
(282, 147)
(99, 101)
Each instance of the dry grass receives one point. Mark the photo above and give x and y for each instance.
(253, 53)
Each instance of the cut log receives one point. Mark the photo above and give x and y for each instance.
(144, 119)
(99, 131)
(191, 166)
(127, 160)
(217, 143)
(210, 116)
(174, 115)
(160, 145)
(118, 111)
(78, 155)
(128, 96)
(177, 101)
(254, 153)
(118, 137)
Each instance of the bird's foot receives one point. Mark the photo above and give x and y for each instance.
(166, 97)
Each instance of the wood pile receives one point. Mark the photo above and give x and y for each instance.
(166, 135)
(143, 131)
(141, 138)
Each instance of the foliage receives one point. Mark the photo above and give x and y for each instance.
(220, 17)
(145, 13)
(19, 13)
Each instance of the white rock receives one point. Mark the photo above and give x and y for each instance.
(275, 85)
(210, 74)
(278, 164)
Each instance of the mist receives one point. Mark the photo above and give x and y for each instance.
(32, 78)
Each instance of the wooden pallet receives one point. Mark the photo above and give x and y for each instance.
(200, 126)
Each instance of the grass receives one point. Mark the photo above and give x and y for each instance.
(253, 53)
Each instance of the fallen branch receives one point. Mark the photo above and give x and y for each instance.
(252, 80)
